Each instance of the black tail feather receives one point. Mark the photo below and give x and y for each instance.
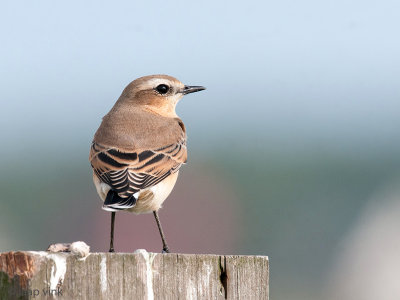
(113, 202)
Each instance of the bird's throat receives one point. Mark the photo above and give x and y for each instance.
(167, 110)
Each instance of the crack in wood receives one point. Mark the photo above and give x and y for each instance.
(223, 277)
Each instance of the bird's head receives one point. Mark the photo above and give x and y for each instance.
(157, 93)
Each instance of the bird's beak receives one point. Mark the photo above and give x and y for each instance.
(191, 89)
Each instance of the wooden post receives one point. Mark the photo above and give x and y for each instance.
(139, 275)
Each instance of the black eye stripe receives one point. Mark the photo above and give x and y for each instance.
(162, 88)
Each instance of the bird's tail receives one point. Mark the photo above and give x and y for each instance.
(113, 202)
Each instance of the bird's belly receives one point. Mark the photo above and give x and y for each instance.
(152, 198)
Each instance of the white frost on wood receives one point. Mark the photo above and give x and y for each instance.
(204, 281)
(80, 249)
(190, 289)
(148, 257)
(103, 274)
(58, 269)
(40, 253)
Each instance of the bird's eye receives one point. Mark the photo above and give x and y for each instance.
(162, 89)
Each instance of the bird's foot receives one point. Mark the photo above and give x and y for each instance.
(165, 250)
(111, 250)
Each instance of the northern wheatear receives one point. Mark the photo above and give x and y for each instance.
(139, 147)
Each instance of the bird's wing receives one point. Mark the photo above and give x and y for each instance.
(128, 172)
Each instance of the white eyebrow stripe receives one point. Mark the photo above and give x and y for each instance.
(152, 83)
(155, 82)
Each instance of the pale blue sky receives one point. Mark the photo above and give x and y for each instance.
(290, 71)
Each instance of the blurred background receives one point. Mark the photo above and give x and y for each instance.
(293, 148)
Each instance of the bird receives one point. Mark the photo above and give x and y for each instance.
(139, 148)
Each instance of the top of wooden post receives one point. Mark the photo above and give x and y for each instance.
(139, 275)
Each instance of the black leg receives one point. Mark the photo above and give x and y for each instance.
(112, 232)
(165, 246)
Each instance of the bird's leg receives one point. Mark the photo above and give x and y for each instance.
(112, 232)
(165, 246)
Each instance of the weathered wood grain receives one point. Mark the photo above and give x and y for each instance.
(141, 275)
